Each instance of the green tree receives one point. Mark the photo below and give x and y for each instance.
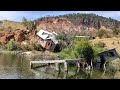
(80, 49)
(67, 38)
(84, 49)
(28, 24)
(24, 21)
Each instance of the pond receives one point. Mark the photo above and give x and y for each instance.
(17, 67)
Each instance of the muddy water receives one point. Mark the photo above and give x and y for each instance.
(17, 67)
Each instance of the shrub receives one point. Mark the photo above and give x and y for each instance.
(103, 33)
(67, 38)
(83, 49)
(26, 47)
(97, 50)
(100, 44)
(67, 53)
(12, 45)
(37, 47)
(80, 49)
(116, 31)
(61, 36)
(114, 65)
(108, 35)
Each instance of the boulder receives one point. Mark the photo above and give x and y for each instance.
(19, 35)
(5, 37)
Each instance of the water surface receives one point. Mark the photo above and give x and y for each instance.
(17, 67)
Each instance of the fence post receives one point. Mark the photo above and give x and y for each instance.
(57, 66)
(78, 66)
(65, 66)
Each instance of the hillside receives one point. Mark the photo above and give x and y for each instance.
(13, 24)
(68, 22)
(109, 43)
(77, 22)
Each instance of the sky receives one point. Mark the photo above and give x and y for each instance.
(32, 15)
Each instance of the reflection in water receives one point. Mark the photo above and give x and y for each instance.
(14, 67)
(65, 75)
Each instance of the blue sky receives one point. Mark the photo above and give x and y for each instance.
(31, 15)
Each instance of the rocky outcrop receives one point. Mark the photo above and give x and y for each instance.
(19, 35)
(56, 25)
(5, 36)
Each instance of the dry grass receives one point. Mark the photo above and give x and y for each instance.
(13, 24)
(110, 43)
(117, 75)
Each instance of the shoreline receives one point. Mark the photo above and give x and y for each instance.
(39, 55)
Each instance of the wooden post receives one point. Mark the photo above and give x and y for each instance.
(104, 67)
(57, 66)
(65, 67)
(78, 66)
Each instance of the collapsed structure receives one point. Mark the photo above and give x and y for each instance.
(107, 55)
(47, 39)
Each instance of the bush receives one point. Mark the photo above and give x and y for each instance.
(108, 35)
(116, 31)
(80, 49)
(83, 49)
(67, 38)
(26, 47)
(114, 65)
(103, 33)
(100, 44)
(61, 36)
(12, 45)
(67, 53)
(97, 50)
(37, 47)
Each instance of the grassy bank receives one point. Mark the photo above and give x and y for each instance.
(33, 55)
(10, 52)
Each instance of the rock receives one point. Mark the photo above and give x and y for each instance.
(6, 35)
(3, 40)
(19, 35)
(33, 33)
